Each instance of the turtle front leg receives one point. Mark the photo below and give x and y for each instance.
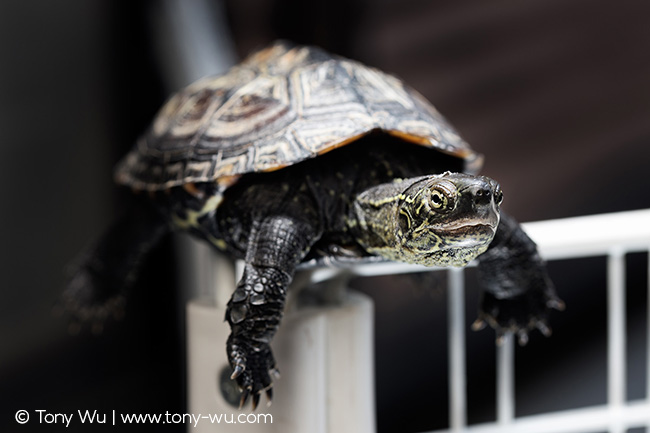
(518, 293)
(276, 246)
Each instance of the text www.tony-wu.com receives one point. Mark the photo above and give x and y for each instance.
(194, 419)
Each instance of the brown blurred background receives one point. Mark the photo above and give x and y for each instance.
(555, 93)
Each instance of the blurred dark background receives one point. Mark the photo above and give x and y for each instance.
(554, 93)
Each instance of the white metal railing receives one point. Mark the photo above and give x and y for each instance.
(611, 235)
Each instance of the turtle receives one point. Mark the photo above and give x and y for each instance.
(299, 157)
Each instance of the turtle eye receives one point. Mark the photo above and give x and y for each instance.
(438, 199)
(442, 196)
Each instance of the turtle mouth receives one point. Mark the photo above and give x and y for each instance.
(468, 226)
(467, 235)
(473, 234)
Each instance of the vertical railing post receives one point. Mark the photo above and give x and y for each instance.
(457, 385)
(506, 379)
(647, 368)
(616, 378)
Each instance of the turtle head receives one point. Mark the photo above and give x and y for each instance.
(438, 220)
(447, 219)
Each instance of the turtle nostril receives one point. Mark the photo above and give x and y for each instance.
(482, 196)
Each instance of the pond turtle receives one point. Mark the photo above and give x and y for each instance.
(298, 156)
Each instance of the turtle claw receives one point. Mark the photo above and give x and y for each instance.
(244, 397)
(556, 304)
(269, 396)
(239, 369)
(501, 338)
(253, 366)
(256, 400)
(519, 314)
(522, 337)
(543, 328)
(478, 324)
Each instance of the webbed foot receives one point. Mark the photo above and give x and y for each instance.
(519, 293)
(518, 315)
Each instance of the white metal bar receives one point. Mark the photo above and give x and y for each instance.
(457, 370)
(616, 327)
(592, 235)
(647, 369)
(591, 419)
(506, 380)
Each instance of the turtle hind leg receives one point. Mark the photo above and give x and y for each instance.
(97, 280)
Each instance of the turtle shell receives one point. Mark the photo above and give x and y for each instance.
(282, 105)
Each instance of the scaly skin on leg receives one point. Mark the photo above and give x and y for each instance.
(276, 246)
(518, 292)
(100, 275)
